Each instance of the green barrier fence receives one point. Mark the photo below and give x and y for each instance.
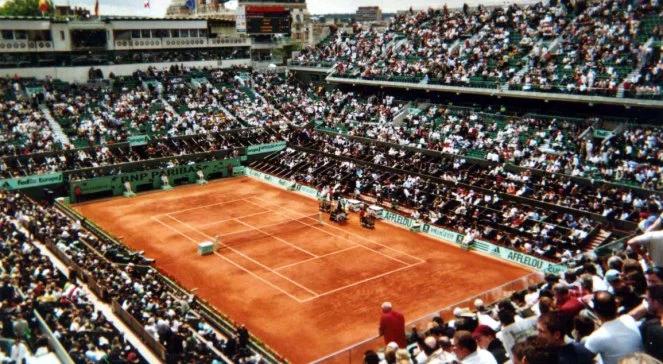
(151, 178)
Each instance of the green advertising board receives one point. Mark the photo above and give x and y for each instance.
(287, 184)
(518, 257)
(138, 140)
(151, 178)
(239, 171)
(265, 148)
(31, 181)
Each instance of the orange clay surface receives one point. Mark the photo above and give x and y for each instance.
(306, 289)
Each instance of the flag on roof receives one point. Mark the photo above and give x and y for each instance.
(43, 6)
(96, 8)
(146, 3)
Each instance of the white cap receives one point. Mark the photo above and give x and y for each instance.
(478, 302)
(458, 311)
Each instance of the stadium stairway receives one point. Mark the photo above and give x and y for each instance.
(642, 61)
(232, 116)
(168, 106)
(601, 237)
(264, 100)
(454, 45)
(398, 119)
(59, 134)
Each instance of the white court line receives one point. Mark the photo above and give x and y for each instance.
(277, 238)
(316, 295)
(369, 240)
(363, 281)
(249, 258)
(235, 264)
(213, 204)
(262, 207)
(232, 218)
(359, 236)
(362, 245)
(252, 228)
(262, 279)
(314, 258)
(248, 230)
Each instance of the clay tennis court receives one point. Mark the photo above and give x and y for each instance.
(306, 289)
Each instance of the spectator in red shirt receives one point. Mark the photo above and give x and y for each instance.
(568, 306)
(392, 326)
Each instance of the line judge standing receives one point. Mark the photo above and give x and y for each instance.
(392, 326)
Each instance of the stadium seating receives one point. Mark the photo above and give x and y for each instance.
(549, 186)
(33, 286)
(592, 49)
(443, 193)
(165, 312)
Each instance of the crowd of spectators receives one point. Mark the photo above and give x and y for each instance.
(212, 101)
(549, 234)
(31, 283)
(23, 128)
(603, 311)
(610, 202)
(648, 82)
(631, 155)
(138, 106)
(122, 157)
(488, 46)
(555, 216)
(571, 47)
(607, 310)
(300, 105)
(359, 45)
(597, 51)
(166, 313)
(98, 116)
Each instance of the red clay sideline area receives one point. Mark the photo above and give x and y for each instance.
(306, 289)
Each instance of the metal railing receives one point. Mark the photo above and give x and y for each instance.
(612, 248)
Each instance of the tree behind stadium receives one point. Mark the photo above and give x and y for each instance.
(24, 8)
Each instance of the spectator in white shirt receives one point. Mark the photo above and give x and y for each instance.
(484, 317)
(617, 336)
(467, 350)
(19, 351)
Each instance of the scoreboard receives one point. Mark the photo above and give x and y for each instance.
(256, 19)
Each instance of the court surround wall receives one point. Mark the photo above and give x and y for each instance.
(115, 184)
